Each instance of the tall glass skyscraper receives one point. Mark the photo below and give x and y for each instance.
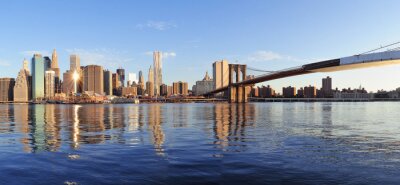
(157, 72)
(38, 68)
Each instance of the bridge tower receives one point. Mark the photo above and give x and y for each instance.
(237, 93)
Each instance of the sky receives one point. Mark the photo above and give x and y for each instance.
(268, 35)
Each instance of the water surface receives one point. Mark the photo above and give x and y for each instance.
(254, 143)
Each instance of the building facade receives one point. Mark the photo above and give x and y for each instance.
(310, 92)
(38, 68)
(108, 88)
(49, 88)
(93, 79)
(157, 62)
(121, 75)
(326, 90)
(21, 88)
(289, 92)
(220, 73)
(7, 89)
(203, 86)
(180, 88)
(150, 88)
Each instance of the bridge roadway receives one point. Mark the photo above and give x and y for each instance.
(339, 64)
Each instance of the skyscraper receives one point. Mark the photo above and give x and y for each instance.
(75, 63)
(141, 84)
(150, 88)
(151, 75)
(47, 63)
(21, 88)
(108, 89)
(38, 68)
(49, 84)
(327, 87)
(56, 69)
(121, 75)
(157, 60)
(220, 73)
(54, 63)
(93, 79)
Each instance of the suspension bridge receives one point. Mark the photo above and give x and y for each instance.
(239, 85)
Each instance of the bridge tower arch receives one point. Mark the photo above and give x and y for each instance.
(237, 93)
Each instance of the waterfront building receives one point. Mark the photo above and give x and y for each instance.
(289, 92)
(157, 62)
(150, 88)
(21, 88)
(310, 92)
(300, 93)
(108, 88)
(38, 68)
(326, 89)
(128, 91)
(121, 75)
(49, 84)
(75, 63)
(93, 79)
(164, 90)
(7, 89)
(116, 84)
(68, 82)
(169, 90)
(266, 92)
(255, 91)
(203, 86)
(180, 88)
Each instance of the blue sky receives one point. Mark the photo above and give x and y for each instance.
(270, 35)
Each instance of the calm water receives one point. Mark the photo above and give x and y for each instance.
(255, 143)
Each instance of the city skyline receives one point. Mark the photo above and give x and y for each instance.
(190, 45)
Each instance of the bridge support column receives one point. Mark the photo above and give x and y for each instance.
(237, 93)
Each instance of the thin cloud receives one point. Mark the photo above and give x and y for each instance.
(4, 63)
(265, 56)
(108, 58)
(157, 25)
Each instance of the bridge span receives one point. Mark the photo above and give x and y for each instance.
(238, 90)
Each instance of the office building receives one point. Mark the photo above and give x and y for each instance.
(68, 85)
(163, 90)
(150, 88)
(49, 87)
(93, 79)
(310, 92)
(180, 88)
(121, 75)
(21, 88)
(75, 63)
(327, 87)
(157, 62)
(54, 67)
(289, 92)
(203, 86)
(132, 78)
(128, 91)
(220, 74)
(266, 92)
(38, 68)
(141, 84)
(108, 88)
(7, 89)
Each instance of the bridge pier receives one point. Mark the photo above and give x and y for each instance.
(237, 93)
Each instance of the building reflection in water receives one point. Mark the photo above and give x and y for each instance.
(230, 123)
(155, 120)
